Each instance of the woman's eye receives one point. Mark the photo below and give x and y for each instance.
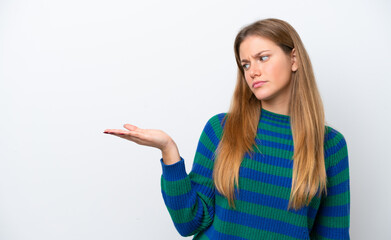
(245, 66)
(263, 58)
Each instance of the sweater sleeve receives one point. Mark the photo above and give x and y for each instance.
(333, 218)
(190, 198)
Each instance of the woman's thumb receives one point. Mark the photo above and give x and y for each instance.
(130, 127)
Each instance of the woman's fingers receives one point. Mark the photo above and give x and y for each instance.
(136, 134)
(128, 126)
(115, 131)
(149, 137)
(123, 133)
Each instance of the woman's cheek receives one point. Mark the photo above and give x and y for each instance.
(270, 70)
(248, 79)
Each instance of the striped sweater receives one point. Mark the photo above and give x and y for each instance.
(265, 179)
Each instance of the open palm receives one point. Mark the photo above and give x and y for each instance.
(148, 137)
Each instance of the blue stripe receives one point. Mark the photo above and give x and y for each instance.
(274, 134)
(332, 233)
(261, 142)
(338, 189)
(261, 223)
(273, 202)
(265, 115)
(265, 177)
(334, 149)
(205, 151)
(334, 133)
(341, 166)
(331, 134)
(212, 234)
(174, 172)
(221, 116)
(207, 191)
(201, 170)
(312, 212)
(335, 211)
(271, 160)
(187, 200)
(263, 121)
(187, 228)
(269, 201)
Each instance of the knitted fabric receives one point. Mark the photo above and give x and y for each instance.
(265, 179)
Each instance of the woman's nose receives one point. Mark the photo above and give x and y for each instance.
(255, 71)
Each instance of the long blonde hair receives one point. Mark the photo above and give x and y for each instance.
(306, 116)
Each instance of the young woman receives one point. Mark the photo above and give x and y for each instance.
(268, 169)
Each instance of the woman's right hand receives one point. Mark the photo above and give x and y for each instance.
(149, 137)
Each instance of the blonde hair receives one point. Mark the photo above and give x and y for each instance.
(306, 116)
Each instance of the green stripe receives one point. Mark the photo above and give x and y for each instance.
(339, 178)
(273, 119)
(216, 125)
(175, 188)
(246, 232)
(338, 156)
(264, 188)
(185, 215)
(275, 152)
(275, 139)
(207, 142)
(269, 212)
(334, 222)
(266, 168)
(337, 200)
(204, 161)
(275, 129)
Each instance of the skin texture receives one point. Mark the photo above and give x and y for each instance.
(273, 66)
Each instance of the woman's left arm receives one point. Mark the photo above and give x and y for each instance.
(333, 217)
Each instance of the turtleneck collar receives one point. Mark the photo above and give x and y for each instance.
(275, 116)
(274, 122)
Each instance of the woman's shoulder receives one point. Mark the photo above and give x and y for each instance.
(215, 124)
(333, 136)
(218, 118)
(335, 146)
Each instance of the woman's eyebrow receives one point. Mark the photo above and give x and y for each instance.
(255, 55)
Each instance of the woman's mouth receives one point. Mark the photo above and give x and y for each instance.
(257, 84)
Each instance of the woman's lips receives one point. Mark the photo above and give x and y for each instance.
(257, 84)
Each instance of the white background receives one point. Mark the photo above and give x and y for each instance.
(71, 69)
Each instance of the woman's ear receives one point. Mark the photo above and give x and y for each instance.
(293, 60)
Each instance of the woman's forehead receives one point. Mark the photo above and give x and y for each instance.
(253, 45)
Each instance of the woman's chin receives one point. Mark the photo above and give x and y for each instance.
(262, 97)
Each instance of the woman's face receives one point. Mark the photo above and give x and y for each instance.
(267, 69)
